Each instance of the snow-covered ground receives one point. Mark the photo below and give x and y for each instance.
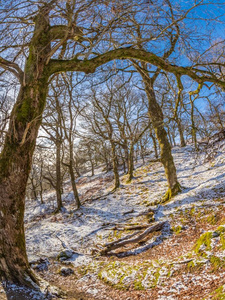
(201, 175)
(78, 229)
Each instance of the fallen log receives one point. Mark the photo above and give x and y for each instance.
(122, 227)
(128, 240)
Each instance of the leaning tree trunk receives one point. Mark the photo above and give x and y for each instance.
(72, 176)
(156, 115)
(131, 163)
(16, 158)
(74, 187)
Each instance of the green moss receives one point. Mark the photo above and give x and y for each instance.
(220, 229)
(193, 266)
(221, 233)
(222, 241)
(216, 262)
(138, 285)
(212, 219)
(156, 275)
(190, 265)
(150, 217)
(218, 294)
(192, 211)
(177, 229)
(169, 271)
(171, 193)
(114, 274)
(204, 240)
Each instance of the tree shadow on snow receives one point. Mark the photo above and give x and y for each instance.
(16, 292)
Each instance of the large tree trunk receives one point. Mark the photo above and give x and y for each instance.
(16, 157)
(15, 165)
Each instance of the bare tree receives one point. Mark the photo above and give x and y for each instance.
(59, 36)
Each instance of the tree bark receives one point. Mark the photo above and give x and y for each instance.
(58, 174)
(179, 126)
(156, 115)
(33, 186)
(193, 127)
(41, 184)
(131, 163)
(72, 175)
(115, 166)
(16, 157)
(154, 145)
(15, 165)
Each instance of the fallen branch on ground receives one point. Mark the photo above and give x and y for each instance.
(128, 240)
(123, 227)
(97, 198)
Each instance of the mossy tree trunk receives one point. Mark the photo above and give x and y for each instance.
(156, 117)
(16, 158)
(15, 165)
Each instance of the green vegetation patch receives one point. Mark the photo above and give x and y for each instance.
(119, 275)
(177, 229)
(203, 241)
(218, 294)
(217, 263)
(140, 276)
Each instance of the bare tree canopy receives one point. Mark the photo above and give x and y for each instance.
(40, 39)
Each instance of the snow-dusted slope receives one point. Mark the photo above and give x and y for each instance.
(195, 211)
(199, 179)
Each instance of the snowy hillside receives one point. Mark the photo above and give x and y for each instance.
(183, 259)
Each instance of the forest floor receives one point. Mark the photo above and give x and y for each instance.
(185, 259)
